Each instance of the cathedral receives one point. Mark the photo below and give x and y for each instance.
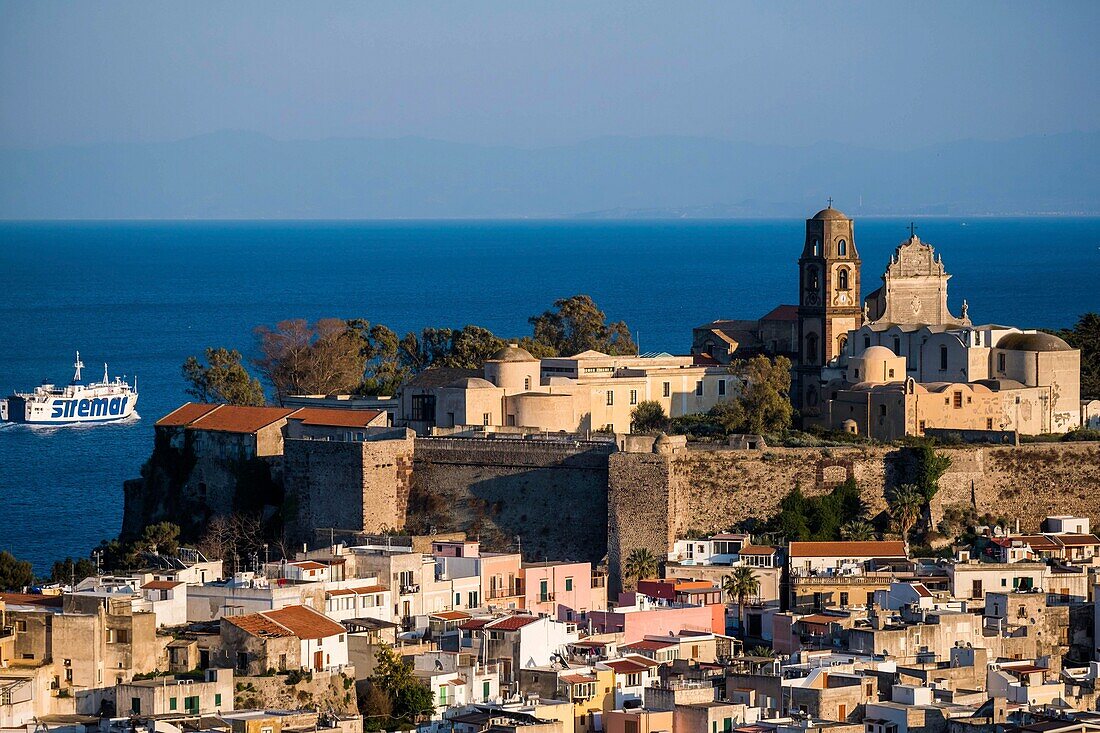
(899, 362)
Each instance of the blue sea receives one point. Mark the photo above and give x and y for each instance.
(145, 295)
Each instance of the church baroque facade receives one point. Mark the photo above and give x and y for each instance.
(828, 302)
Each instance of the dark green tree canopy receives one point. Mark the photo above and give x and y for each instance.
(15, 574)
(221, 379)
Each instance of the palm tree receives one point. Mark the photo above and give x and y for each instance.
(857, 530)
(906, 507)
(738, 586)
(640, 563)
(762, 651)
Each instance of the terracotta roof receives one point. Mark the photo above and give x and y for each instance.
(922, 590)
(240, 419)
(335, 418)
(1035, 541)
(300, 621)
(186, 414)
(512, 623)
(650, 645)
(363, 590)
(161, 584)
(305, 622)
(626, 666)
(575, 679)
(449, 615)
(30, 599)
(1078, 539)
(308, 565)
(756, 550)
(782, 313)
(258, 624)
(819, 619)
(475, 623)
(340, 592)
(870, 548)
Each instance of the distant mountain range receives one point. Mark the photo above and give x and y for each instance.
(248, 176)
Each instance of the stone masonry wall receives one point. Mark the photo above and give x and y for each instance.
(358, 486)
(710, 490)
(552, 494)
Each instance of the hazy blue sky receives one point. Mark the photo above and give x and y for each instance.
(895, 75)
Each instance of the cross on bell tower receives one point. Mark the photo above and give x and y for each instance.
(912, 230)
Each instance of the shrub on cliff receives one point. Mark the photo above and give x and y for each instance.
(819, 518)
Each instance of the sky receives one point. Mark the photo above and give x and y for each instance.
(890, 75)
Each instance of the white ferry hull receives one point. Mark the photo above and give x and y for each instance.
(65, 411)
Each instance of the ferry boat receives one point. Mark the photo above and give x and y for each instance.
(76, 402)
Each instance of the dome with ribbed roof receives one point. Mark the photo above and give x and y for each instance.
(829, 214)
(512, 352)
(1033, 342)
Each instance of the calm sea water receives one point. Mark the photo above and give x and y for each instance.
(144, 296)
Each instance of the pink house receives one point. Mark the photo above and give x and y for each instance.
(637, 622)
(562, 590)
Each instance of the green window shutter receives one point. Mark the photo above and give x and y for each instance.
(171, 703)
(217, 699)
(569, 584)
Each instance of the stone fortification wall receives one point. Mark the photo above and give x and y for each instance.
(355, 485)
(552, 494)
(653, 499)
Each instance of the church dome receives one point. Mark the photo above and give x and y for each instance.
(472, 383)
(512, 352)
(1033, 342)
(830, 214)
(877, 353)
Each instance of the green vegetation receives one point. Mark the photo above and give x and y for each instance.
(819, 518)
(1085, 335)
(648, 417)
(355, 356)
(640, 563)
(395, 699)
(15, 574)
(221, 379)
(857, 530)
(71, 572)
(739, 586)
(763, 407)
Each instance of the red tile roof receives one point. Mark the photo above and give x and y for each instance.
(871, 548)
(308, 565)
(626, 666)
(161, 584)
(305, 622)
(366, 589)
(782, 313)
(31, 599)
(1077, 540)
(300, 621)
(335, 418)
(756, 550)
(186, 414)
(449, 615)
(240, 419)
(475, 623)
(577, 679)
(819, 619)
(650, 645)
(512, 623)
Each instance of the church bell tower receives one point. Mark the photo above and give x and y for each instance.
(828, 301)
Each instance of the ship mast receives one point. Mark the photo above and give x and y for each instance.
(105, 372)
(78, 365)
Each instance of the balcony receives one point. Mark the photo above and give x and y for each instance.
(498, 593)
(546, 598)
(7, 631)
(410, 589)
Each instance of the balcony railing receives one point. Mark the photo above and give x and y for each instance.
(410, 589)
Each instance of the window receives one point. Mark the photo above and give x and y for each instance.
(217, 699)
(958, 400)
(699, 387)
(811, 349)
(866, 342)
(891, 373)
(811, 278)
(721, 386)
(610, 397)
(842, 248)
(242, 661)
(633, 396)
(423, 407)
(191, 704)
(1000, 362)
(486, 418)
(668, 389)
(843, 599)
(943, 358)
(135, 705)
(989, 423)
(882, 410)
(526, 383)
(569, 584)
(485, 689)
(817, 247)
(842, 279)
